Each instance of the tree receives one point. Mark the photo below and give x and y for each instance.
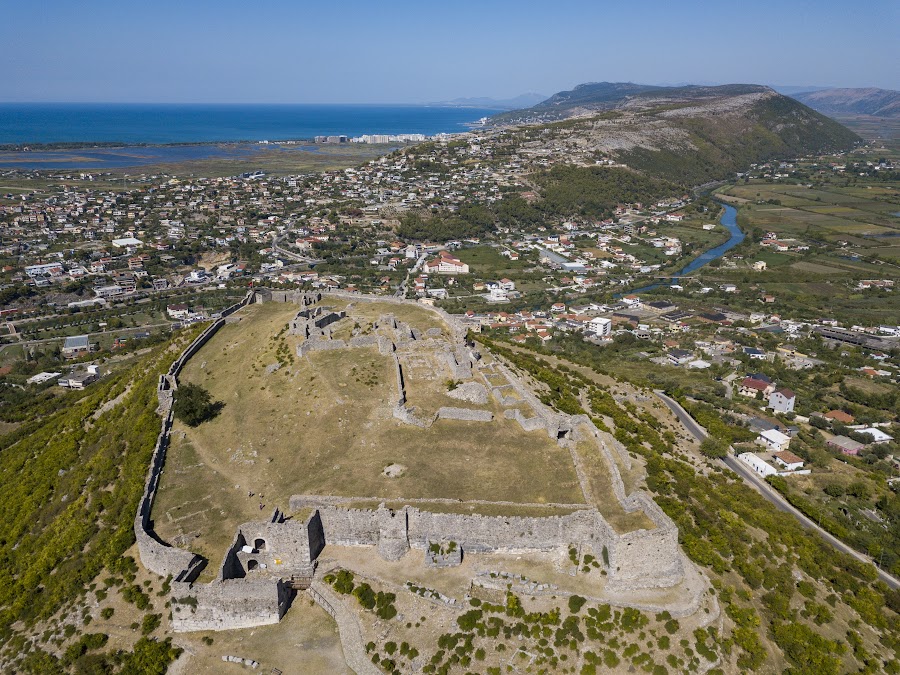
(194, 405)
(714, 448)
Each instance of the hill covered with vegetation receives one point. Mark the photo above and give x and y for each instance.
(686, 135)
(72, 474)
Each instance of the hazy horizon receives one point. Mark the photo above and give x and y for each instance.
(402, 52)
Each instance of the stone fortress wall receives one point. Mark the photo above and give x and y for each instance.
(157, 556)
(251, 588)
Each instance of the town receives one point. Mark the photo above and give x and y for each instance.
(538, 246)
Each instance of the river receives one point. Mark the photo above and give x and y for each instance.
(729, 221)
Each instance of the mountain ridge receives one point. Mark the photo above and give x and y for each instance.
(691, 134)
(845, 102)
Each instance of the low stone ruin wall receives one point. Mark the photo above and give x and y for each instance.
(229, 604)
(527, 423)
(464, 414)
(157, 556)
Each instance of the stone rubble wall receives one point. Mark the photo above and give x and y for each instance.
(313, 322)
(444, 557)
(157, 556)
(527, 423)
(464, 414)
(317, 344)
(230, 604)
(502, 398)
(472, 392)
(401, 385)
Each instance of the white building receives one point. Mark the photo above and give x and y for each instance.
(774, 440)
(600, 326)
(497, 294)
(445, 263)
(878, 436)
(127, 242)
(788, 460)
(758, 464)
(782, 400)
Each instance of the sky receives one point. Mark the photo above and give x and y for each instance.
(397, 51)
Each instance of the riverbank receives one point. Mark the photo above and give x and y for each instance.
(728, 220)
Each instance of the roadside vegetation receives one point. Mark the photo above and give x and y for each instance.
(779, 585)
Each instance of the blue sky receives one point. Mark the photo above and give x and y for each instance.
(296, 51)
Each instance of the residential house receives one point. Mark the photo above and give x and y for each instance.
(847, 446)
(678, 357)
(782, 400)
(839, 416)
(788, 460)
(751, 386)
(758, 464)
(446, 263)
(178, 311)
(75, 346)
(600, 326)
(774, 440)
(877, 435)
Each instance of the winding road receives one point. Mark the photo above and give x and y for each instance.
(769, 493)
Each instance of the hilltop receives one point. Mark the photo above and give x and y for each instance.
(690, 134)
(849, 102)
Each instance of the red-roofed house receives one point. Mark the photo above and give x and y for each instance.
(750, 387)
(840, 416)
(445, 263)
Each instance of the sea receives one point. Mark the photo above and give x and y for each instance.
(165, 125)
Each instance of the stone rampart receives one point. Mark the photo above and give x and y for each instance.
(464, 414)
(157, 556)
(229, 604)
(365, 527)
(644, 552)
(303, 298)
(401, 385)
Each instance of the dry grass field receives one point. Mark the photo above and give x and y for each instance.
(323, 425)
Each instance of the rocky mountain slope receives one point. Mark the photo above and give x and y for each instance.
(849, 102)
(690, 134)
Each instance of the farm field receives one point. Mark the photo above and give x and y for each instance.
(865, 216)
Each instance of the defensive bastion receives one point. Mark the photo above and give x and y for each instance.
(268, 560)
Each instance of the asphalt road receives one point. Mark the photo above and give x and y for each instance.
(769, 493)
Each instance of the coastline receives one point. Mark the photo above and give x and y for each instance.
(48, 127)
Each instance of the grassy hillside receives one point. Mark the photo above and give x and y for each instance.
(774, 127)
(72, 476)
(791, 602)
